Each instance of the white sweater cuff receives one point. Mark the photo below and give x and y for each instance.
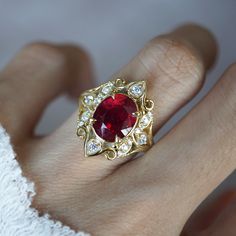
(17, 217)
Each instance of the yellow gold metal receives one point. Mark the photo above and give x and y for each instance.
(138, 139)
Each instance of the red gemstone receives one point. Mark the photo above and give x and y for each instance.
(114, 117)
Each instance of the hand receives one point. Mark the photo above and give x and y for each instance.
(152, 195)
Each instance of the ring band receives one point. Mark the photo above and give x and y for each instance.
(115, 119)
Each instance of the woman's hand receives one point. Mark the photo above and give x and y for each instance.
(152, 195)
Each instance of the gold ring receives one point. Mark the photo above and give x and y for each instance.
(115, 119)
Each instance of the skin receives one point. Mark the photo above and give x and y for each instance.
(152, 195)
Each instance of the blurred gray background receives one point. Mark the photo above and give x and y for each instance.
(113, 32)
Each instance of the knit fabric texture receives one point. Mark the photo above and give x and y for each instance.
(17, 217)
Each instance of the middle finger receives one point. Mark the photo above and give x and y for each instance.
(173, 66)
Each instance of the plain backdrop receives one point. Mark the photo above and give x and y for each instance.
(113, 32)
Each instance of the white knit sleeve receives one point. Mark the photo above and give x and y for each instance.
(17, 217)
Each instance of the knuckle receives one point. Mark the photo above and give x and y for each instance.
(45, 53)
(176, 58)
(171, 46)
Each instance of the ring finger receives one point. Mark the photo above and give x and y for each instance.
(173, 66)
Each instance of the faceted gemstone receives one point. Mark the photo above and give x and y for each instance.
(93, 146)
(142, 139)
(107, 88)
(136, 90)
(125, 147)
(80, 123)
(85, 116)
(88, 99)
(145, 120)
(114, 117)
(97, 100)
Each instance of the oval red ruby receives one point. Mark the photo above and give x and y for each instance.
(114, 117)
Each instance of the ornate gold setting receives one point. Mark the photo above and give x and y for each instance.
(138, 139)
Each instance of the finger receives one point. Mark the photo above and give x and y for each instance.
(199, 153)
(38, 74)
(173, 68)
(204, 218)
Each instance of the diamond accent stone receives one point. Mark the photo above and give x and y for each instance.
(137, 131)
(136, 90)
(80, 123)
(146, 120)
(88, 99)
(142, 139)
(85, 116)
(93, 147)
(125, 147)
(98, 99)
(107, 88)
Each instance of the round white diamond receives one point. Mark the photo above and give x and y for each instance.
(101, 96)
(85, 116)
(93, 146)
(142, 139)
(136, 90)
(125, 147)
(107, 88)
(80, 123)
(137, 131)
(88, 99)
(145, 120)
(97, 100)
